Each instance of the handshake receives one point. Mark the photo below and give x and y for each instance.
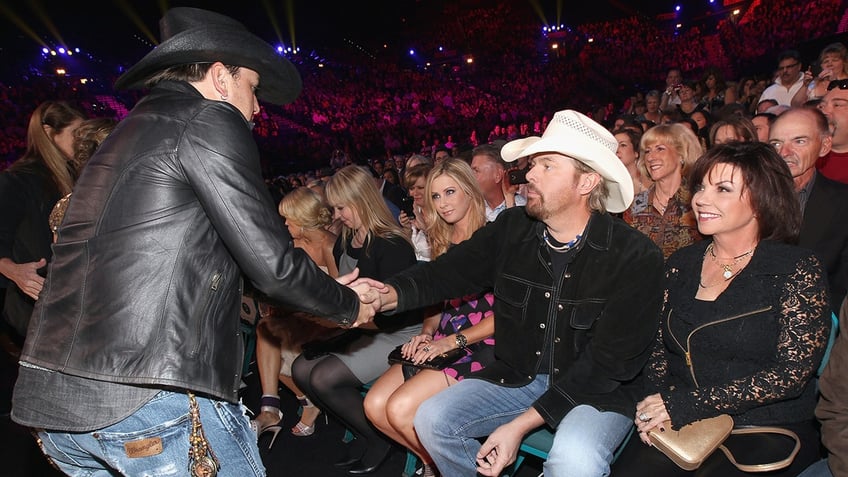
(374, 296)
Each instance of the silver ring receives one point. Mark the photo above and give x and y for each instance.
(644, 417)
(426, 349)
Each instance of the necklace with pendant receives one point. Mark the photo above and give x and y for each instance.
(727, 268)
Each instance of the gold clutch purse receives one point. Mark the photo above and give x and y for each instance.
(693, 443)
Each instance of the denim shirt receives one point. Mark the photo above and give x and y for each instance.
(599, 316)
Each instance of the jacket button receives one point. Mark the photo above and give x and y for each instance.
(502, 380)
(547, 294)
(542, 325)
(556, 370)
(538, 353)
(559, 307)
(566, 275)
(556, 340)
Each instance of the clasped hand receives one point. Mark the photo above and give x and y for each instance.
(369, 293)
(423, 348)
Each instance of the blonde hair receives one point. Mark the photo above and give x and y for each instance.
(353, 186)
(677, 136)
(40, 146)
(88, 137)
(306, 207)
(438, 231)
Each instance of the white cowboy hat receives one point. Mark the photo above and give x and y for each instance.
(192, 35)
(575, 135)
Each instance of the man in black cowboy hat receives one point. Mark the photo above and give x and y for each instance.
(140, 309)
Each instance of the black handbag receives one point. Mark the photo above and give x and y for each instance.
(437, 362)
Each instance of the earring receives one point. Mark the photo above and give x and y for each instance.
(223, 97)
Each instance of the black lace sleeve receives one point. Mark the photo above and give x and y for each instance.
(657, 367)
(804, 317)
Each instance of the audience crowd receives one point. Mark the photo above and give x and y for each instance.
(377, 107)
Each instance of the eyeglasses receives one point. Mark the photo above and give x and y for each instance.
(787, 67)
(841, 84)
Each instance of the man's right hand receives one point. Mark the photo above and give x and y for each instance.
(388, 295)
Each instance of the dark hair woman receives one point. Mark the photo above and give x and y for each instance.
(745, 320)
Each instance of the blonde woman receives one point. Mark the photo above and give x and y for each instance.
(415, 179)
(834, 66)
(87, 138)
(663, 212)
(280, 337)
(455, 209)
(372, 241)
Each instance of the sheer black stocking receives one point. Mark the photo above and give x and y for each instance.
(331, 385)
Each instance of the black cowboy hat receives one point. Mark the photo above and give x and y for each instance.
(193, 35)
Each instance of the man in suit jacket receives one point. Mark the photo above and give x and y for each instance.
(801, 136)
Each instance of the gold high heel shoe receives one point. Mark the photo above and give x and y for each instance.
(300, 429)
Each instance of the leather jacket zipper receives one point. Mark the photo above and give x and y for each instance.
(687, 349)
(198, 317)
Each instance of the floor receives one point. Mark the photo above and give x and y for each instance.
(291, 456)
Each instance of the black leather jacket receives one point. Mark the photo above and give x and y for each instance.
(600, 316)
(145, 285)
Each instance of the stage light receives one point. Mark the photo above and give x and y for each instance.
(61, 50)
(411, 52)
(736, 12)
(45, 51)
(591, 40)
(53, 52)
(83, 80)
(677, 8)
(60, 71)
(76, 50)
(441, 48)
(555, 46)
(678, 25)
(279, 49)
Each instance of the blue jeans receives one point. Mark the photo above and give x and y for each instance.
(449, 424)
(819, 469)
(154, 441)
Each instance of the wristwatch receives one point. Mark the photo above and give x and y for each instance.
(461, 341)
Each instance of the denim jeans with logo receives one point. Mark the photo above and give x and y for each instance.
(154, 441)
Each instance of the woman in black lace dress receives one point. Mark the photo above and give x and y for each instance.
(745, 320)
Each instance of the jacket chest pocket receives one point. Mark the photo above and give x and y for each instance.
(582, 318)
(511, 299)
